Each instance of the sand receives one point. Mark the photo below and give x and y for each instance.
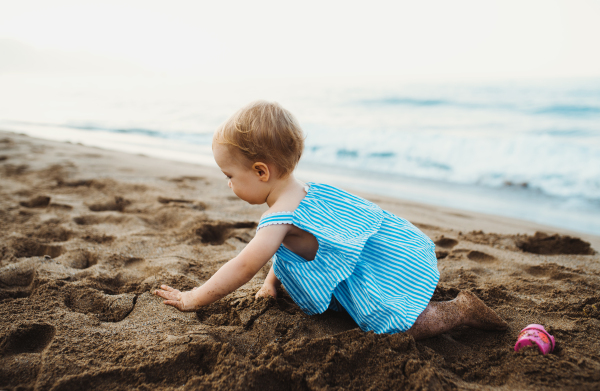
(88, 233)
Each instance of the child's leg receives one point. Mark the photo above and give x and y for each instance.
(443, 316)
(270, 285)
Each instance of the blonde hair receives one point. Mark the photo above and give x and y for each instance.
(264, 131)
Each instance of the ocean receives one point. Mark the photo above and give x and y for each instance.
(524, 149)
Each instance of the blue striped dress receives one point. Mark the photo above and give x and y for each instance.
(377, 266)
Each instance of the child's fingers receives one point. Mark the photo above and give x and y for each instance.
(165, 294)
(168, 288)
(175, 303)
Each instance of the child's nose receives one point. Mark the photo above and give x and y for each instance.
(229, 183)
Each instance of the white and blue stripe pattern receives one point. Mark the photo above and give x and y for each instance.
(379, 267)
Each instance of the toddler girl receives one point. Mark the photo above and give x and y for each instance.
(330, 249)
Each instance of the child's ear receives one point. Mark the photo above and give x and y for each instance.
(262, 171)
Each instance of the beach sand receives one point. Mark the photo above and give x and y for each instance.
(88, 233)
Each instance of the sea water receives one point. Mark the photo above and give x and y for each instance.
(525, 149)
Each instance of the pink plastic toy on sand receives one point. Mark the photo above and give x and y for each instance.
(535, 334)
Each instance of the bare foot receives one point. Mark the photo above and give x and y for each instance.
(477, 314)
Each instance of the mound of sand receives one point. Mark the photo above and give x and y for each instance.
(87, 234)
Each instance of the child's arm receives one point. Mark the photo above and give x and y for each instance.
(232, 275)
(270, 285)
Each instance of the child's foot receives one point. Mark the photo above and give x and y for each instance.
(477, 314)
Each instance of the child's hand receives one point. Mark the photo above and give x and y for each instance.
(266, 291)
(183, 301)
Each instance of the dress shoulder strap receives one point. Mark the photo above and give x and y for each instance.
(284, 217)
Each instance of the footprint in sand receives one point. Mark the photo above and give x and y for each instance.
(80, 259)
(91, 220)
(36, 202)
(27, 338)
(545, 244)
(107, 308)
(118, 204)
(446, 242)
(218, 233)
(164, 200)
(61, 207)
(100, 239)
(86, 220)
(26, 248)
(78, 183)
(553, 272)
(51, 232)
(21, 354)
(17, 276)
(479, 256)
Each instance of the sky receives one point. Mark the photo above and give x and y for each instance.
(437, 39)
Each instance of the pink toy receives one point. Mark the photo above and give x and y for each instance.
(535, 333)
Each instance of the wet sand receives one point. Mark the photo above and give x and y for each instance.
(88, 233)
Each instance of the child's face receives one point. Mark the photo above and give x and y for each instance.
(245, 181)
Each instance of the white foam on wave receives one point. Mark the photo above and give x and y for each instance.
(558, 166)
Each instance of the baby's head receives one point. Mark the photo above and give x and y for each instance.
(257, 148)
(264, 132)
